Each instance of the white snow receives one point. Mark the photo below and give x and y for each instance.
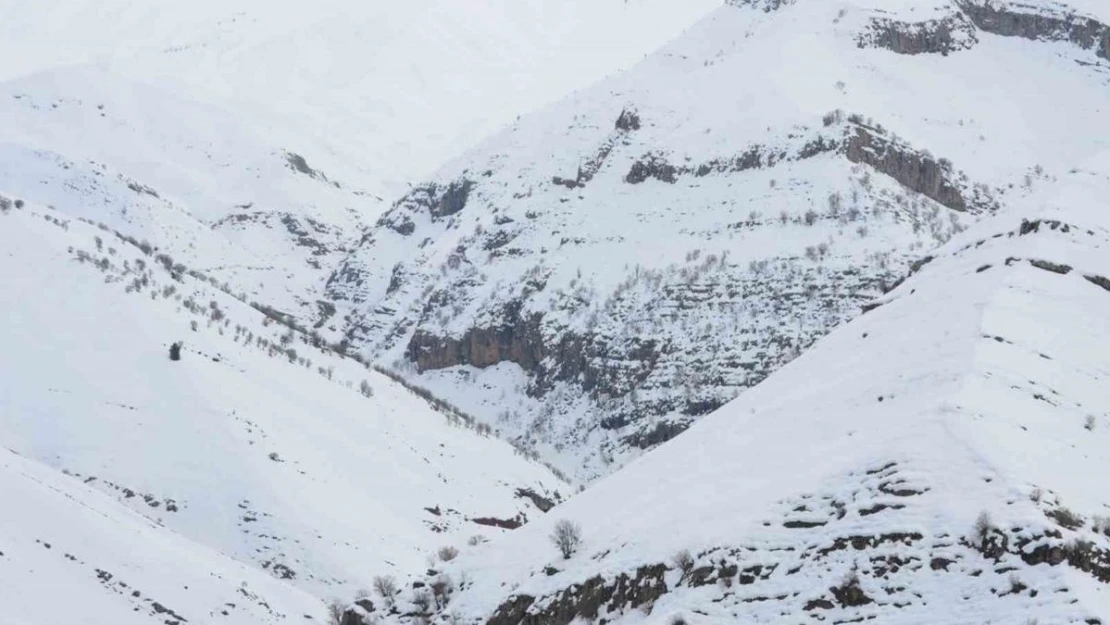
(235, 448)
(969, 387)
(608, 257)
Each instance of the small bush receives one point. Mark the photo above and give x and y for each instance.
(442, 587)
(684, 562)
(175, 351)
(1067, 518)
(476, 540)
(983, 525)
(386, 587)
(446, 554)
(365, 388)
(336, 608)
(566, 537)
(422, 599)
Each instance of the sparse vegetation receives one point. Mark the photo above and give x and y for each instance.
(446, 554)
(566, 537)
(983, 526)
(684, 562)
(365, 388)
(442, 588)
(336, 608)
(386, 587)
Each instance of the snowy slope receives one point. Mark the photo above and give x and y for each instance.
(258, 140)
(403, 85)
(71, 555)
(260, 444)
(603, 273)
(940, 459)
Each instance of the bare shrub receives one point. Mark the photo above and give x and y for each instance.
(386, 587)
(446, 554)
(422, 599)
(684, 562)
(983, 525)
(442, 587)
(476, 540)
(336, 608)
(566, 537)
(1066, 518)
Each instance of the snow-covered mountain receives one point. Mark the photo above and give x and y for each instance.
(778, 310)
(601, 274)
(259, 455)
(258, 139)
(941, 459)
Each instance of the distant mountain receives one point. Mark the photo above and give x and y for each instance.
(258, 139)
(607, 271)
(940, 459)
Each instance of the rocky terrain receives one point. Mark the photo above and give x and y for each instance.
(602, 274)
(938, 459)
(410, 313)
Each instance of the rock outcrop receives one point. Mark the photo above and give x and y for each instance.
(938, 36)
(1011, 19)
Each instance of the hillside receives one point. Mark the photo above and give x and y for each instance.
(258, 140)
(611, 269)
(939, 459)
(259, 455)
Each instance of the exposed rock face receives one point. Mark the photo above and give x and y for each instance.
(640, 371)
(438, 201)
(541, 502)
(763, 5)
(628, 121)
(516, 339)
(756, 157)
(914, 170)
(1010, 19)
(358, 614)
(652, 166)
(958, 31)
(939, 36)
(625, 592)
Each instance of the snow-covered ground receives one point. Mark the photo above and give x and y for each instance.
(606, 271)
(255, 447)
(259, 139)
(939, 459)
(402, 85)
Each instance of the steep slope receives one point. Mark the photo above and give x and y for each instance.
(259, 443)
(626, 261)
(258, 140)
(401, 85)
(940, 459)
(71, 555)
